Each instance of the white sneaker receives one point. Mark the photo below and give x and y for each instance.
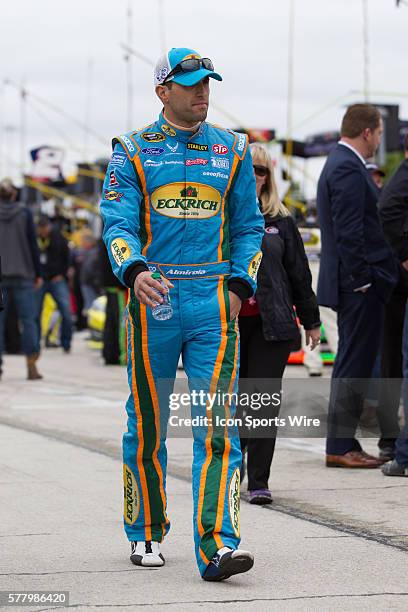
(146, 554)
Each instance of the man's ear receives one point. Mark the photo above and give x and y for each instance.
(367, 133)
(162, 93)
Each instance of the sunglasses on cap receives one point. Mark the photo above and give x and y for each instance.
(260, 170)
(190, 65)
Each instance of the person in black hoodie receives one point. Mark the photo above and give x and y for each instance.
(54, 258)
(267, 322)
(20, 272)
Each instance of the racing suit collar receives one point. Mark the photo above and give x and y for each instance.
(172, 131)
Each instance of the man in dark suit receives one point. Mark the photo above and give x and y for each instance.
(357, 276)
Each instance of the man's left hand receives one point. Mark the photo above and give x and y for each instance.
(235, 305)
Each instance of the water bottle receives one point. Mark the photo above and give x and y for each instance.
(163, 311)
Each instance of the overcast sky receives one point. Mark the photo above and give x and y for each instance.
(68, 52)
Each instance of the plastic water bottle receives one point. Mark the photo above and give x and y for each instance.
(163, 311)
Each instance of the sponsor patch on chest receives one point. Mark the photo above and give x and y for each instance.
(191, 200)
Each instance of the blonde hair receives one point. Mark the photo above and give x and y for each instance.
(269, 197)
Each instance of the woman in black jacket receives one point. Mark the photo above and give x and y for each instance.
(267, 322)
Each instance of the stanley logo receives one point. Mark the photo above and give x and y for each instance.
(120, 250)
(195, 146)
(180, 201)
(131, 497)
(233, 501)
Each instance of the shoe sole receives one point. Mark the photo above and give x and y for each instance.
(238, 564)
(138, 560)
(354, 467)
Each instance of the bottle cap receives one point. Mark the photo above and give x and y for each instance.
(156, 275)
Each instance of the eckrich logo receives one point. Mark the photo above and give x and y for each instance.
(153, 151)
(233, 501)
(254, 265)
(180, 201)
(120, 250)
(131, 496)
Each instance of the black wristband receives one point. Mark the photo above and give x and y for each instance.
(132, 271)
(240, 287)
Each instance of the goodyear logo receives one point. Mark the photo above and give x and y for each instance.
(131, 496)
(120, 250)
(233, 501)
(181, 200)
(254, 265)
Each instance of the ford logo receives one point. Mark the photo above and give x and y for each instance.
(153, 151)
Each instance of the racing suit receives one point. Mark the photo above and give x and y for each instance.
(183, 204)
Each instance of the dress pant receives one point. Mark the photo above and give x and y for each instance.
(391, 369)
(60, 292)
(262, 363)
(401, 445)
(360, 320)
(114, 339)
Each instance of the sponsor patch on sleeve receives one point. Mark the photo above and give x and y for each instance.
(118, 159)
(120, 250)
(112, 195)
(254, 265)
(113, 181)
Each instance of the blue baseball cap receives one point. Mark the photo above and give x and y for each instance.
(171, 59)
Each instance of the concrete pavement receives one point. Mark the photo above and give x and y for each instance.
(333, 539)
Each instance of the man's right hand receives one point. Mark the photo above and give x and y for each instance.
(146, 287)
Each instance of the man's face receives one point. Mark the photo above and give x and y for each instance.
(187, 105)
(373, 139)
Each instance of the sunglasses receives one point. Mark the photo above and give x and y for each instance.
(190, 65)
(260, 170)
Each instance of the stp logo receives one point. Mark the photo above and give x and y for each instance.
(220, 149)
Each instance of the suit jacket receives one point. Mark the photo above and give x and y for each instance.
(393, 208)
(354, 250)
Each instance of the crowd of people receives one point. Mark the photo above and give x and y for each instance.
(37, 259)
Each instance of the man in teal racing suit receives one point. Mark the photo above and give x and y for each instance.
(179, 199)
